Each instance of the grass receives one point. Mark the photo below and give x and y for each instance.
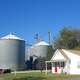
(36, 76)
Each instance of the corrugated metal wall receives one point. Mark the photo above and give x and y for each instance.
(12, 54)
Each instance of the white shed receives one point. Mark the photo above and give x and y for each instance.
(65, 61)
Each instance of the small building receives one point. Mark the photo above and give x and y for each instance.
(65, 61)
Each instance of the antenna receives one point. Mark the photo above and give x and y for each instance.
(36, 36)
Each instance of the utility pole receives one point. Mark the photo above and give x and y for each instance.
(49, 36)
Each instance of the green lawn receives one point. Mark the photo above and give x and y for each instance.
(35, 76)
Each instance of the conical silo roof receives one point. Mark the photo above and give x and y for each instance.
(11, 36)
(41, 43)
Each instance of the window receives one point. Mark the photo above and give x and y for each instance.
(59, 64)
(62, 64)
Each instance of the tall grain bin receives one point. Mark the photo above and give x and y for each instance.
(39, 49)
(12, 52)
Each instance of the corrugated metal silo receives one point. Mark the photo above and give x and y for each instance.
(12, 52)
(39, 49)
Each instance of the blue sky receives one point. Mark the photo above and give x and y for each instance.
(26, 17)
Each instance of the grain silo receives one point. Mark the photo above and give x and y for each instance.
(39, 49)
(12, 52)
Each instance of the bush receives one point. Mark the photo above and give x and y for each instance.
(7, 71)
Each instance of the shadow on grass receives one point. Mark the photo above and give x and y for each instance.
(30, 78)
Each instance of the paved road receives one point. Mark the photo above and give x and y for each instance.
(73, 79)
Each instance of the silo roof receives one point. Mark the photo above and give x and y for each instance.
(11, 36)
(41, 43)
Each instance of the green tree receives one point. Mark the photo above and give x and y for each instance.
(49, 53)
(69, 38)
(66, 34)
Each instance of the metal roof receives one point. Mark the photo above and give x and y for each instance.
(11, 36)
(41, 43)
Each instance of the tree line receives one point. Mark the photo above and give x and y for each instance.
(68, 38)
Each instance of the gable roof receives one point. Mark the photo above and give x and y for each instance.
(77, 52)
(59, 55)
(63, 53)
(67, 54)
